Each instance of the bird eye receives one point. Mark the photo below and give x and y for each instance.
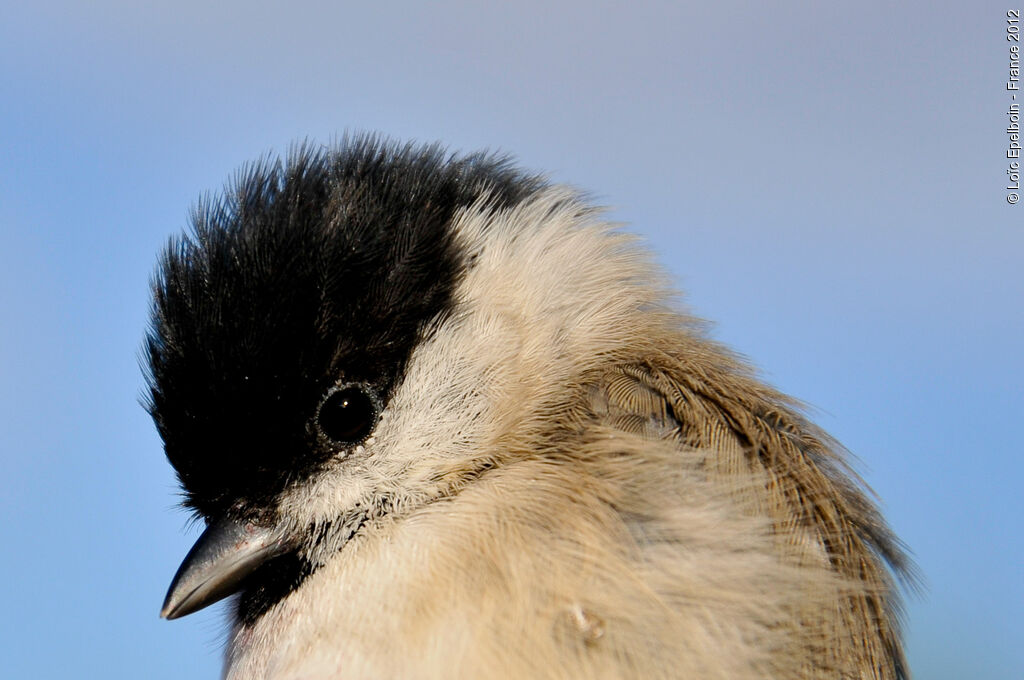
(348, 414)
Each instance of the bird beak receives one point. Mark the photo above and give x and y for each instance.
(226, 553)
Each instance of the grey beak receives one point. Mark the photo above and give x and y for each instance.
(226, 553)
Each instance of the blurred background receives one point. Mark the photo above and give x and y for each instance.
(825, 181)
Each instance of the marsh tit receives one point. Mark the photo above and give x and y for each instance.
(443, 421)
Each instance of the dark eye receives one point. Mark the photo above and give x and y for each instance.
(348, 414)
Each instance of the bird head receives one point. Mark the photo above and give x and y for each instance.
(282, 329)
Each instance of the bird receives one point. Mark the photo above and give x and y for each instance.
(442, 419)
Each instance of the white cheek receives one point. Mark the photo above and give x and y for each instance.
(446, 410)
(319, 499)
(443, 417)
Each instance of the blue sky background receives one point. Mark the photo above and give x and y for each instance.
(825, 181)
